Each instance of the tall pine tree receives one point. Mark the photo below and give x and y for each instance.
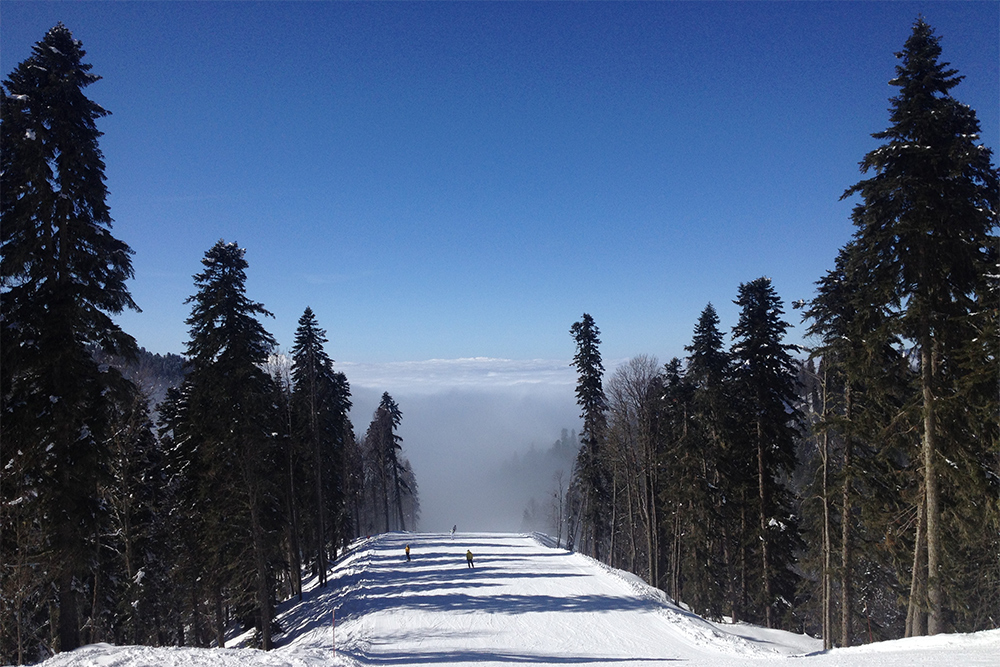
(231, 413)
(321, 401)
(389, 416)
(766, 377)
(923, 223)
(709, 372)
(386, 466)
(63, 275)
(591, 467)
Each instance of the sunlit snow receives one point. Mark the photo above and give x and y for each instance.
(524, 602)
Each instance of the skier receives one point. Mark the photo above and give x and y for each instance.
(407, 552)
(453, 528)
(468, 558)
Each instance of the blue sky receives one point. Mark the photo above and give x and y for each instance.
(444, 181)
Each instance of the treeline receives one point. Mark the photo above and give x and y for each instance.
(855, 493)
(113, 528)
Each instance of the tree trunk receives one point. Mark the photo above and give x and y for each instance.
(727, 558)
(916, 616)
(130, 572)
(69, 624)
(295, 555)
(935, 596)
(744, 527)
(612, 555)
(220, 621)
(320, 514)
(650, 528)
(179, 629)
(630, 495)
(263, 590)
(385, 486)
(95, 634)
(764, 560)
(676, 557)
(399, 495)
(827, 548)
(654, 546)
(846, 536)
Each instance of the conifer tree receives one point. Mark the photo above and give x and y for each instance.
(353, 479)
(709, 372)
(320, 405)
(293, 470)
(708, 363)
(63, 275)
(683, 496)
(231, 414)
(389, 416)
(832, 311)
(191, 570)
(864, 379)
(924, 224)
(134, 546)
(974, 412)
(339, 482)
(766, 377)
(409, 496)
(386, 474)
(591, 468)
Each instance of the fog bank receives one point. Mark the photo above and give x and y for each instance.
(463, 420)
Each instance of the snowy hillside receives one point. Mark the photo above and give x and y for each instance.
(524, 602)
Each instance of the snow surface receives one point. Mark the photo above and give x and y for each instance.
(525, 602)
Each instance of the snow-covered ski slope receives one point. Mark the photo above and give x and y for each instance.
(524, 602)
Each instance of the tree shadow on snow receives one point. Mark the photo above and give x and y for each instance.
(434, 581)
(509, 603)
(412, 658)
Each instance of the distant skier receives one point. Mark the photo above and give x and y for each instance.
(468, 558)
(407, 552)
(453, 529)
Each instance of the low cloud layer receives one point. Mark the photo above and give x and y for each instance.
(476, 373)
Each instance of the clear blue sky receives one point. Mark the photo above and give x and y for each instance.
(443, 180)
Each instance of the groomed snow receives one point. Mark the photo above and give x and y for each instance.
(525, 602)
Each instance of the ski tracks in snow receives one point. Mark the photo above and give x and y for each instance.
(524, 602)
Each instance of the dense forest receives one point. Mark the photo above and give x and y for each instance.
(119, 529)
(849, 488)
(852, 488)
